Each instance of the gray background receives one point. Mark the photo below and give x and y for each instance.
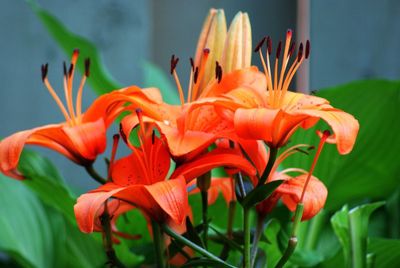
(350, 40)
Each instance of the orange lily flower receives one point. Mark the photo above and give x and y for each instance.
(188, 131)
(83, 135)
(274, 113)
(140, 179)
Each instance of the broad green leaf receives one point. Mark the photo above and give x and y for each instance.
(46, 182)
(155, 77)
(25, 232)
(260, 193)
(386, 252)
(372, 164)
(100, 80)
(351, 227)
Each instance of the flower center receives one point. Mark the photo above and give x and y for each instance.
(72, 116)
(278, 83)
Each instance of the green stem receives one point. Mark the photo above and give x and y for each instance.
(314, 230)
(93, 173)
(293, 237)
(256, 239)
(204, 203)
(158, 244)
(229, 229)
(239, 180)
(105, 220)
(247, 244)
(192, 245)
(273, 153)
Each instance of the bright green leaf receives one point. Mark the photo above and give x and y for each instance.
(386, 252)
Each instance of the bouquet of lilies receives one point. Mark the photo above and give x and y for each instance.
(230, 134)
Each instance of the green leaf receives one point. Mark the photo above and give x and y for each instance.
(386, 252)
(351, 227)
(46, 182)
(232, 244)
(260, 193)
(271, 248)
(100, 80)
(155, 77)
(372, 164)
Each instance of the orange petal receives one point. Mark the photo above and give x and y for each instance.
(213, 159)
(172, 197)
(344, 126)
(314, 197)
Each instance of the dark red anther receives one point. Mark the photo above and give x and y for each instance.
(206, 51)
(87, 67)
(174, 62)
(70, 70)
(259, 45)
(312, 147)
(218, 72)
(300, 53)
(326, 133)
(44, 71)
(196, 75)
(122, 133)
(65, 68)
(192, 64)
(291, 49)
(75, 53)
(278, 50)
(269, 45)
(308, 47)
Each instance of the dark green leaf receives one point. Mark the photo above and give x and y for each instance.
(192, 234)
(386, 252)
(260, 193)
(226, 240)
(100, 80)
(46, 182)
(372, 164)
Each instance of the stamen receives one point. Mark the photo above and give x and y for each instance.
(278, 49)
(122, 133)
(80, 90)
(174, 62)
(113, 153)
(267, 69)
(192, 64)
(300, 53)
(153, 137)
(218, 72)
(196, 75)
(53, 93)
(200, 73)
(307, 49)
(260, 44)
(291, 49)
(285, 58)
(324, 137)
(70, 78)
(269, 45)
(190, 86)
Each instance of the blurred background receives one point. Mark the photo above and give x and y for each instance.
(350, 40)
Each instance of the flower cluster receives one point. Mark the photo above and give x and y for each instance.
(233, 116)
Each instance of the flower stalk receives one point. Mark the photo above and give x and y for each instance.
(158, 244)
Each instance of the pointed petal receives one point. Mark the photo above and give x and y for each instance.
(237, 50)
(314, 198)
(172, 197)
(345, 127)
(213, 159)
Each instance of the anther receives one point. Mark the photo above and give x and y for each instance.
(65, 68)
(71, 68)
(307, 54)
(44, 71)
(174, 62)
(326, 133)
(87, 67)
(278, 50)
(300, 53)
(122, 133)
(289, 33)
(269, 45)
(206, 51)
(196, 75)
(260, 44)
(192, 64)
(218, 72)
(75, 54)
(153, 137)
(291, 49)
